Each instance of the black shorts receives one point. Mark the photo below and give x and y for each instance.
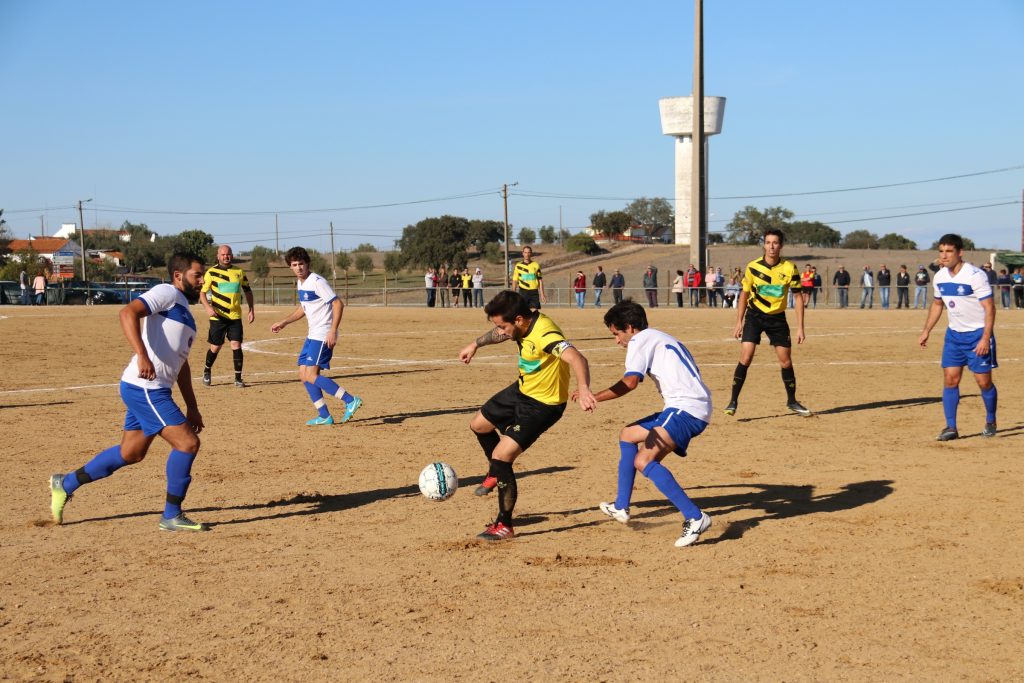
(532, 297)
(221, 327)
(775, 326)
(519, 417)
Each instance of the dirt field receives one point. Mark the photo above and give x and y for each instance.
(847, 546)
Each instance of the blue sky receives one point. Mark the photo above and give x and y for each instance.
(214, 115)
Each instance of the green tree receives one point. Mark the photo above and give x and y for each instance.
(365, 247)
(527, 236)
(813, 234)
(393, 263)
(484, 232)
(651, 213)
(5, 238)
(194, 243)
(749, 224)
(895, 241)
(563, 235)
(493, 252)
(860, 239)
(548, 234)
(582, 242)
(259, 264)
(343, 261)
(364, 264)
(610, 224)
(716, 238)
(318, 264)
(968, 245)
(434, 241)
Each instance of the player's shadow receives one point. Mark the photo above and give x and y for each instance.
(872, 405)
(37, 405)
(353, 375)
(775, 501)
(399, 418)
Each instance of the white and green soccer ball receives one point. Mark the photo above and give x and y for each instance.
(438, 481)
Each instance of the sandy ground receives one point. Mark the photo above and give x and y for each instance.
(846, 546)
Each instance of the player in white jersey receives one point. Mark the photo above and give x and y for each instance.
(645, 443)
(963, 290)
(160, 328)
(322, 309)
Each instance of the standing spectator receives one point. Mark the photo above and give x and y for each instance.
(651, 285)
(23, 281)
(807, 284)
(478, 288)
(677, 287)
(720, 285)
(454, 285)
(1004, 283)
(816, 288)
(711, 285)
(1018, 288)
(884, 282)
(618, 284)
(39, 287)
(732, 291)
(921, 280)
(600, 280)
(963, 290)
(903, 288)
(442, 286)
(867, 283)
(430, 284)
(467, 288)
(990, 274)
(579, 286)
(841, 281)
(692, 282)
(528, 281)
(224, 286)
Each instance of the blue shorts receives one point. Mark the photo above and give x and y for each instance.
(958, 351)
(149, 409)
(315, 352)
(680, 425)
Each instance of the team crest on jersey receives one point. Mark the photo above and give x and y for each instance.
(960, 290)
(952, 304)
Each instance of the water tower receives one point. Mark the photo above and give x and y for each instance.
(677, 121)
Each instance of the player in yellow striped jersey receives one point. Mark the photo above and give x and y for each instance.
(528, 281)
(762, 309)
(224, 285)
(513, 419)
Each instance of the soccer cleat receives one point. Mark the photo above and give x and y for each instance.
(207, 380)
(239, 384)
(486, 486)
(989, 430)
(329, 420)
(181, 523)
(497, 532)
(692, 529)
(58, 498)
(351, 407)
(947, 434)
(614, 512)
(799, 409)
(731, 408)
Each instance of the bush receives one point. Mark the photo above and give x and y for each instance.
(582, 242)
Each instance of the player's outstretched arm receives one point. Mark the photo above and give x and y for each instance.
(581, 369)
(495, 336)
(189, 396)
(297, 314)
(131, 323)
(620, 388)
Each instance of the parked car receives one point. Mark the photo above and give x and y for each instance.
(10, 292)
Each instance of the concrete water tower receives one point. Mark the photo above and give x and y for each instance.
(677, 121)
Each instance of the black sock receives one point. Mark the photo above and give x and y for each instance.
(789, 380)
(211, 358)
(738, 378)
(507, 491)
(488, 442)
(237, 355)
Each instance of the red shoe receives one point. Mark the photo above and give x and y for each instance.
(497, 532)
(486, 486)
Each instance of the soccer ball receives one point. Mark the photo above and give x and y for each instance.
(438, 481)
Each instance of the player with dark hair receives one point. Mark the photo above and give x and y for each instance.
(224, 285)
(322, 309)
(160, 329)
(762, 309)
(645, 443)
(964, 291)
(514, 418)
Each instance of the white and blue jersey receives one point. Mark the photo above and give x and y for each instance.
(962, 294)
(316, 297)
(167, 333)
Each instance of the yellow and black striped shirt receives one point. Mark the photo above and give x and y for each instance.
(224, 287)
(768, 286)
(543, 375)
(527, 275)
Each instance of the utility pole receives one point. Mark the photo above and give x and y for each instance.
(334, 259)
(561, 240)
(42, 226)
(504, 196)
(81, 226)
(698, 181)
(277, 239)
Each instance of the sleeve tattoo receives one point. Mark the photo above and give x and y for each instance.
(495, 336)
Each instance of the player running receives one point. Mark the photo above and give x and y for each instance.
(645, 443)
(964, 291)
(161, 329)
(514, 418)
(322, 309)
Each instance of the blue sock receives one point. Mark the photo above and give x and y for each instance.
(179, 476)
(950, 401)
(669, 488)
(989, 396)
(627, 474)
(317, 397)
(328, 385)
(102, 465)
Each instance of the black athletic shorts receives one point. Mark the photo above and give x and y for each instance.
(221, 327)
(519, 417)
(775, 326)
(532, 297)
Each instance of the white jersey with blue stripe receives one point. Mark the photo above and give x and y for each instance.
(315, 297)
(167, 333)
(664, 359)
(963, 293)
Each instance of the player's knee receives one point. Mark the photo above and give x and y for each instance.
(132, 456)
(188, 443)
(643, 459)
